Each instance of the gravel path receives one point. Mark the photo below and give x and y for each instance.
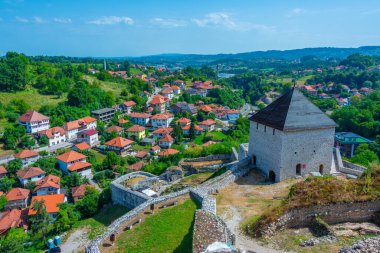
(233, 220)
(76, 242)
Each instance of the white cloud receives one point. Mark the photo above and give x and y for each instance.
(63, 20)
(112, 20)
(224, 20)
(22, 20)
(35, 20)
(168, 22)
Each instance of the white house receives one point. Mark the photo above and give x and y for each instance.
(168, 93)
(91, 137)
(166, 141)
(176, 90)
(34, 122)
(73, 161)
(55, 135)
(47, 185)
(30, 174)
(139, 118)
(73, 128)
(161, 120)
(127, 106)
(207, 125)
(27, 157)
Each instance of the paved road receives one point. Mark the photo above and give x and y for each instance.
(54, 148)
(246, 109)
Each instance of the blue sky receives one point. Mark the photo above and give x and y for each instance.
(142, 27)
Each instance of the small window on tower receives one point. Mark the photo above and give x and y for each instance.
(273, 131)
(257, 125)
(265, 128)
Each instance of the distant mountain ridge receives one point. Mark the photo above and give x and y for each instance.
(293, 54)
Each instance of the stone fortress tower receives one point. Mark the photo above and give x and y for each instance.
(291, 137)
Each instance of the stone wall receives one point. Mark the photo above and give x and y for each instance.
(331, 214)
(351, 168)
(208, 158)
(209, 228)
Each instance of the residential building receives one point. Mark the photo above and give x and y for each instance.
(51, 204)
(91, 137)
(347, 142)
(183, 121)
(55, 135)
(79, 192)
(166, 141)
(116, 129)
(122, 122)
(158, 103)
(73, 161)
(75, 127)
(291, 137)
(233, 115)
(141, 119)
(47, 185)
(27, 157)
(160, 132)
(181, 107)
(136, 166)
(136, 132)
(207, 125)
(17, 198)
(176, 90)
(105, 114)
(119, 145)
(14, 218)
(127, 106)
(186, 130)
(168, 152)
(142, 154)
(82, 146)
(3, 171)
(155, 149)
(30, 174)
(34, 122)
(180, 83)
(168, 93)
(161, 120)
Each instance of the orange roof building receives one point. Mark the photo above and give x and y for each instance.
(26, 153)
(17, 198)
(55, 135)
(34, 121)
(3, 171)
(119, 145)
(48, 185)
(71, 157)
(30, 174)
(166, 141)
(51, 203)
(136, 166)
(183, 121)
(14, 218)
(79, 192)
(116, 129)
(73, 161)
(82, 146)
(168, 152)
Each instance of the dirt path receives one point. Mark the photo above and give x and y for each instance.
(76, 242)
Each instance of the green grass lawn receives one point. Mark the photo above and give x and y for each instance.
(98, 223)
(114, 87)
(135, 71)
(214, 135)
(169, 230)
(32, 97)
(99, 156)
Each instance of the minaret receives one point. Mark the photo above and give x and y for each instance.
(105, 65)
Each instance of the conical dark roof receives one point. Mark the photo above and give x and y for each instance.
(292, 112)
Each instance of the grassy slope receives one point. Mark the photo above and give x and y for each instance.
(101, 220)
(215, 136)
(115, 88)
(170, 230)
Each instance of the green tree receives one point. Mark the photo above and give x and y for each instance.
(88, 205)
(177, 133)
(66, 218)
(14, 166)
(3, 202)
(14, 241)
(192, 131)
(13, 72)
(111, 160)
(41, 221)
(364, 155)
(6, 184)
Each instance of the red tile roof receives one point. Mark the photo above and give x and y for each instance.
(26, 153)
(30, 172)
(166, 138)
(205, 108)
(168, 152)
(183, 120)
(48, 181)
(78, 123)
(167, 91)
(207, 122)
(112, 128)
(17, 194)
(12, 219)
(52, 131)
(155, 148)
(162, 116)
(32, 116)
(82, 146)
(119, 142)
(158, 99)
(71, 156)
(51, 203)
(78, 166)
(141, 154)
(3, 170)
(80, 191)
(174, 87)
(90, 132)
(197, 128)
(139, 115)
(136, 166)
(129, 103)
(123, 121)
(136, 129)
(163, 130)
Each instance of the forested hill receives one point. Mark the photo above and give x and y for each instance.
(197, 59)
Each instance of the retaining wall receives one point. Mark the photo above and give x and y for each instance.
(332, 214)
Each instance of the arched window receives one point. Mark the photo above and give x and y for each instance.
(321, 169)
(254, 160)
(272, 176)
